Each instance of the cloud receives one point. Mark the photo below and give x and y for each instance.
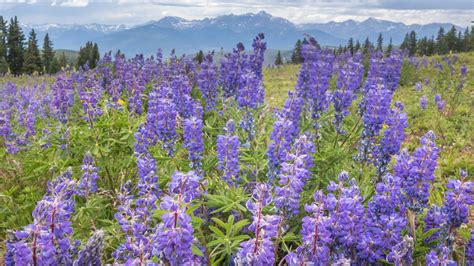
(71, 3)
(132, 12)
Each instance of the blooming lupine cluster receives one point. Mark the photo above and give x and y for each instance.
(377, 109)
(417, 172)
(440, 103)
(88, 182)
(231, 67)
(174, 236)
(423, 102)
(228, 153)
(392, 139)
(296, 214)
(207, 82)
(47, 241)
(260, 249)
(295, 171)
(348, 84)
(285, 131)
(192, 137)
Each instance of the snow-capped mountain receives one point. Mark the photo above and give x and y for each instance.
(72, 36)
(223, 32)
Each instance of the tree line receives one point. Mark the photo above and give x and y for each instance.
(20, 55)
(443, 43)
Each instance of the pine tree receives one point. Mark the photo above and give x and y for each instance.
(441, 45)
(62, 60)
(412, 43)
(431, 49)
(32, 60)
(380, 43)
(55, 65)
(367, 46)
(88, 55)
(199, 57)
(357, 46)
(350, 46)
(278, 60)
(450, 39)
(405, 43)
(466, 40)
(296, 55)
(388, 52)
(3, 46)
(48, 54)
(15, 40)
(95, 57)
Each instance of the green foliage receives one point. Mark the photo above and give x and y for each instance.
(110, 139)
(225, 240)
(88, 55)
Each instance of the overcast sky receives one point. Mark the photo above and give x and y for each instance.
(132, 12)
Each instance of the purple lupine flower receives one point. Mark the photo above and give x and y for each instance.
(192, 137)
(281, 139)
(90, 93)
(148, 189)
(435, 218)
(392, 138)
(385, 218)
(463, 70)
(442, 258)
(377, 109)
(346, 214)
(181, 88)
(292, 108)
(470, 249)
(250, 93)
(230, 69)
(440, 104)
(315, 235)
(259, 250)
(207, 82)
(317, 93)
(391, 70)
(166, 124)
(294, 173)
(47, 240)
(347, 86)
(135, 85)
(63, 97)
(256, 59)
(418, 86)
(135, 217)
(417, 172)
(285, 130)
(228, 153)
(459, 197)
(401, 253)
(174, 236)
(88, 182)
(423, 102)
(91, 254)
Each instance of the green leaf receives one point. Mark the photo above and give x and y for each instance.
(197, 251)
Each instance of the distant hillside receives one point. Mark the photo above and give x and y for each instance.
(71, 56)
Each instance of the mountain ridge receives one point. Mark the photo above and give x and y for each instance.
(223, 32)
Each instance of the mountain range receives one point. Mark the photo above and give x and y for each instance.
(223, 32)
